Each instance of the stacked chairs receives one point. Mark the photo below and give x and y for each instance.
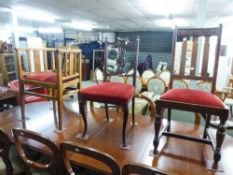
(11, 162)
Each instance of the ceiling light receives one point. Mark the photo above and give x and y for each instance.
(165, 23)
(156, 7)
(26, 29)
(50, 30)
(82, 25)
(33, 14)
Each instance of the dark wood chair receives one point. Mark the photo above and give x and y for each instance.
(31, 140)
(61, 77)
(205, 103)
(136, 168)
(112, 92)
(92, 153)
(11, 162)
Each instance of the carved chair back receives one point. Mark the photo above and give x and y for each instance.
(74, 148)
(195, 54)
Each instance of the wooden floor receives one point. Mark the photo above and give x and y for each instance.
(178, 156)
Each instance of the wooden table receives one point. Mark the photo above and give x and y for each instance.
(6, 98)
(180, 156)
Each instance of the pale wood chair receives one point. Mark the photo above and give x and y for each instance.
(205, 103)
(63, 78)
(92, 153)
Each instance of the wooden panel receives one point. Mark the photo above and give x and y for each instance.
(29, 60)
(36, 57)
(71, 64)
(45, 60)
(205, 59)
(183, 57)
(53, 60)
(194, 56)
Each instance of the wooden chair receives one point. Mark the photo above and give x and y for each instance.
(110, 92)
(155, 88)
(140, 169)
(29, 139)
(99, 76)
(139, 94)
(11, 162)
(92, 153)
(60, 78)
(198, 101)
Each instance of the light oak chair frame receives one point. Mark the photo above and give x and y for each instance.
(67, 63)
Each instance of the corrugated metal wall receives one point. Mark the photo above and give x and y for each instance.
(157, 44)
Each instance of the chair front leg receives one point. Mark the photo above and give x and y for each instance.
(125, 120)
(22, 101)
(83, 113)
(7, 162)
(133, 111)
(157, 125)
(106, 111)
(220, 135)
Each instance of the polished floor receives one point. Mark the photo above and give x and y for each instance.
(178, 156)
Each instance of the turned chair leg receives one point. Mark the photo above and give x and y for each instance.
(157, 125)
(220, 135)
(125, 120)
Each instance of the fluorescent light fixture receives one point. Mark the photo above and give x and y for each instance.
(50, 30)
(34, 14)
(26, 29)
(155, 7)
(166, 22)
(82, 25)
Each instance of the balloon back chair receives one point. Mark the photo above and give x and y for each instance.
(205, 103)
(140, 169)
(34, 141)
(62, 76)
(87, 152)
(115, 93)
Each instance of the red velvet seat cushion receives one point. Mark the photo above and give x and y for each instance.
(114, 93)
(194, 97)
(14, 85)
(42, 76)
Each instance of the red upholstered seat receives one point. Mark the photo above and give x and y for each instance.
(14, 85)
(116, 93)
(194, 97)
(42, 76)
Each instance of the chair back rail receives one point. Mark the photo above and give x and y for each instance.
(200, 41)
(52, 166)
(37, 60)
(89, 152)
(140, 169)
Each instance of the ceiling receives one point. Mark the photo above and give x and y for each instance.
(124, 15)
